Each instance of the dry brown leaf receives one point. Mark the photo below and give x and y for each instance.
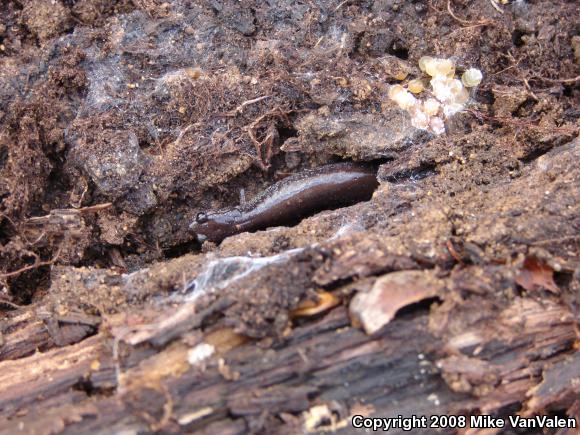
(536, 275)
(391, 292)
(307, 307)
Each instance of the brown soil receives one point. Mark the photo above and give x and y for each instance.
(121, 120)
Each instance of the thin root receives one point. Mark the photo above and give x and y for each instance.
(36, 265)
(264, 161)
(496, 6)
(465, 22)
(241, 107)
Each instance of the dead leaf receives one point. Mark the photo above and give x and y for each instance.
(391, 292)
(536, 275)
(308, 308)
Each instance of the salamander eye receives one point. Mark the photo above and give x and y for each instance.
(201, 218)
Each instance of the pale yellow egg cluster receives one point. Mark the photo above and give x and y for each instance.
(448, 95)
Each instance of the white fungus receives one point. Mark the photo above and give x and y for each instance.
(472, 77)
(442, 88)
(419, 119)
(448, 95)
(437, 125)
(439, 67)
(200, 353)
(431, 106)
(451, 109)
(403, 98)
(423, 61)
(461, 96)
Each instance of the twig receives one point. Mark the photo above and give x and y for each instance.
(36, 265)
(339, 6)
(9, 220)
(453, 252)
(10, 304)
(572, 80)
(529, 88)
(69, 211)
(512, 59)
(467, 28)
(95, 208)
(496, 6)
(504, 70)
(240, 108)
(38, 239)
(251, 130)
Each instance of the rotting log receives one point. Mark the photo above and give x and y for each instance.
(516, 357)
(493, 335)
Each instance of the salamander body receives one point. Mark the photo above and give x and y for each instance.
(290, 200)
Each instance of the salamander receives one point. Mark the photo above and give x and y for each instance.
(290, 200)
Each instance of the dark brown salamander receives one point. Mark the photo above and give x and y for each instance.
(290, 200)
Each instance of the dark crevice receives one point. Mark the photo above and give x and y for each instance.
(523, 108)
(182, 249)
(86, 386)
(563, 279)
(27, 284)
(286, 133)
(399, 50)
(422, 306)
(517, 37)
(485, 97)
(535, 154)
(410, 174)
(569, 92)
(7, 230)
(3, 156)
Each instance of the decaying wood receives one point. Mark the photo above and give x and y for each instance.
(513, 358)
(106, 352)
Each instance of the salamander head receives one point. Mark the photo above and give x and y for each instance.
(215, 226)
